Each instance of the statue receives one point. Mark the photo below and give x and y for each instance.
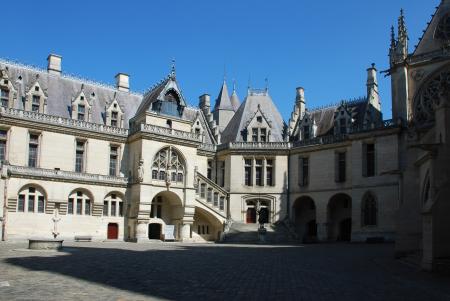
(55, 219)
(141, 170)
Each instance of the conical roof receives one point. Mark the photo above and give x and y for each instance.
(223, 100)
(235, 102)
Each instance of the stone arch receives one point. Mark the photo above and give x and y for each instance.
(339, 215)
(251, 204)
(304, 218)
(206, 227)
(433, 90)
(80, 202)
(166, 209)
(169, 164)
(32, 198)
(369, 209)
(114, 204)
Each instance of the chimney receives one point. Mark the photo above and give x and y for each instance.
(300, 101)
(372, 88)
(123, 82)
(54, 64)
(205, 103)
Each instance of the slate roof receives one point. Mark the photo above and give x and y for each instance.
(61, 90)
(324, 117)
(223, 100)
(247, 110)
(235, 102)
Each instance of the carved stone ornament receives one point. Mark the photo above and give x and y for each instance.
(418, 75)
(141, 170)
(433, 93)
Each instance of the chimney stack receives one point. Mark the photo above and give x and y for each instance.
(54, 64)
(205, 103)
(123, 82)
(300, 101)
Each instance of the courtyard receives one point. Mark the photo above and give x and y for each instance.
(174, 271)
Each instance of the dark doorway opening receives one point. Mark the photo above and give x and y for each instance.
(251, 215)
(345, 230)
(154, 231)
(113, 231)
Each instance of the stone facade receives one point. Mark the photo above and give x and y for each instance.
(85, 159)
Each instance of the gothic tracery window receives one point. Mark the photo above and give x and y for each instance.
(431, 94)
(168, 165)
(443, 29)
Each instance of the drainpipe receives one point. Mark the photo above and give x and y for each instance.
(5, 204)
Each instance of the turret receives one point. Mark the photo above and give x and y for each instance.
(372, 88)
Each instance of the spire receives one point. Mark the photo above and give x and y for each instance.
(235, 102)
(223, 100)
(402, 44)
(393, 41)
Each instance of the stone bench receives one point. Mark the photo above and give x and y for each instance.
(83, 238)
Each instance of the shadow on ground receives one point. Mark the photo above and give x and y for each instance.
(326, 272)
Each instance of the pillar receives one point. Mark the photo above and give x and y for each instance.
(185, 231)
(322, 231)
(141, 231)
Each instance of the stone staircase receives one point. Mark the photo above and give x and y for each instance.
(242, 233)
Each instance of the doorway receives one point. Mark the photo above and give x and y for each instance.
(251, 215)
(154, 231)
(345, 230)
(113, 231)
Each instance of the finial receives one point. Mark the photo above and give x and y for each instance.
(392, 37)
(267, 84)
(173, 71)
(234, 85)
(224, 73)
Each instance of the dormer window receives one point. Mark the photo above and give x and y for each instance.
(342, 126)
(114, 118)
(263, 136)
(81, 112)
(36, 103)
(255, 134)
(36, 89)
(4, 97)
(259, 119)
(306, 132)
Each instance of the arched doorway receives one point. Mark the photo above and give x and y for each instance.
(113, 231)
(256, 207)
(166, 211)
(154, 231)
(305, 219)
(340, 218)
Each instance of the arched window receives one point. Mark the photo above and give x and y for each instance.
(113, 205)
(370, 210)
(168, 165)
(79, 203)
(31, 199)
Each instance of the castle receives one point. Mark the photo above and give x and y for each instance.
(84, 159)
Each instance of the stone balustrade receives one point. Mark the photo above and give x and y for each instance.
(255, 145)
(65, 122)
(14, 170)
(168, 132)
(211, 194)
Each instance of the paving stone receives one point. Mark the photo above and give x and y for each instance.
(127, 271)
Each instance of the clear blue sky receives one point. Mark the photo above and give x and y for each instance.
(324, 46)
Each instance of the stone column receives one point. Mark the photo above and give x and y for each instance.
(185, 232)
(141, 231)
(322, 231)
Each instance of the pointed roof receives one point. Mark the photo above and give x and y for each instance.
(255, 100)
(235, 102)
(428, 42)
(158, 92)
(223, 100)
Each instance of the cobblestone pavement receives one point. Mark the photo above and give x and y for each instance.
(172, 271)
